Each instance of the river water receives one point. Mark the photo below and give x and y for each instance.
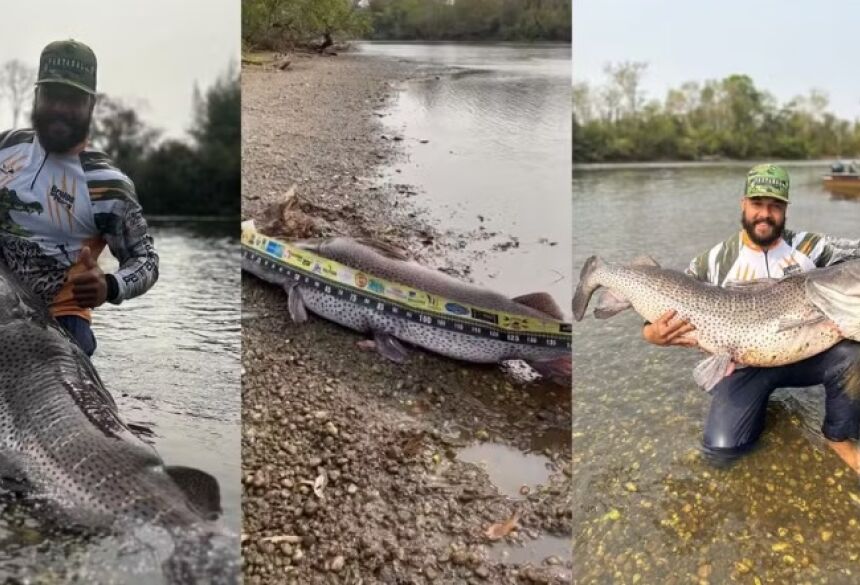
(486, 129)
(170, 358)
(647, 508)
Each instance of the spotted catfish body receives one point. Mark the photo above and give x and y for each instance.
(389, 330)
(762, 323)
(62, 440)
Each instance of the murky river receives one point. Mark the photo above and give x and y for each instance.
(171, 360)
(488, 150)
(647, 507)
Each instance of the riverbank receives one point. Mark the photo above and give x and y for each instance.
(356, 468)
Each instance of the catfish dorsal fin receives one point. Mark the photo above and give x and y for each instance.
(542, 302)
(644, 260)
(387, 250)
(199, 487)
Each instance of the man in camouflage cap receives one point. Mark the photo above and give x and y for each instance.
(62, 202)
(764, 249)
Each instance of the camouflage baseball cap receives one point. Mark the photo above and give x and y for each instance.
(70, 63)
(767, 180)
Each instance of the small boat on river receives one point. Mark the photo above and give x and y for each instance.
(843, 179)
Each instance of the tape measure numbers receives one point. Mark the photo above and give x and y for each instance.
(330, 277)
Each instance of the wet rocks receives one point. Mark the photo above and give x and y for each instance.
(396, 500)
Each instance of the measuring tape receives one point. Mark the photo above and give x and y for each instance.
(338, 280)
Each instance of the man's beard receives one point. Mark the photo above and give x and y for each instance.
(749, 228)
(62, 140)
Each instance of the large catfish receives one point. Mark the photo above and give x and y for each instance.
(757, 323)
(388, 330)
(63, 443)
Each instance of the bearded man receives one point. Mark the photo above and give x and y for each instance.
(764, 249)
(62, 202)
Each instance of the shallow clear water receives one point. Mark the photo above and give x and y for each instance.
(170, 358)
(645, 503)
(488, 148)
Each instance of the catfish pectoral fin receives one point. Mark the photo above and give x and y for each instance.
(557, 370)
(389, 347)
(710, 371)
(785, 324)
(295, 303)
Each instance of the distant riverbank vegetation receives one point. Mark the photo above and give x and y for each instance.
(283, 25)
(505, 20)
(196, 177)
(728, 118)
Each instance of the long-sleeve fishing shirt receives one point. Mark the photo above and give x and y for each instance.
(738, 259)
(53, 205)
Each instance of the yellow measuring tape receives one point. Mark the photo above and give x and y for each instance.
(433, 310)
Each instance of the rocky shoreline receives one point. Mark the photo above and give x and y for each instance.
(352, 466)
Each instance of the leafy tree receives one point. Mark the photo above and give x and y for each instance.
(119, 132)
(196, 177)
(729, 118)
(279, 24)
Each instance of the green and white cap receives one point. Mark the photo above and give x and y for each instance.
(69, 63)
(767, 180)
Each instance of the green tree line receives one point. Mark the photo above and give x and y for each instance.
(286, 24)
(726, 118)
(512, 20)
(200, 176)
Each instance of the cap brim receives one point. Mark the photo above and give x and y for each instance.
(74, 84)
(769, 196)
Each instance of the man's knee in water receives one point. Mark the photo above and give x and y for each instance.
(720, 451)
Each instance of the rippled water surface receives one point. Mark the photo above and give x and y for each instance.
(170, 358)
(647, 508)
(488, 148)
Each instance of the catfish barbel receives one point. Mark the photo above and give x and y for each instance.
(758, 323)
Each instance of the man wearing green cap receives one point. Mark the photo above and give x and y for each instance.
(765, 249)
(62, 202)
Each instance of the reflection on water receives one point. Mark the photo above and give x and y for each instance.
(513, 472)
(645, 501)
(171, 360)
(488, 148)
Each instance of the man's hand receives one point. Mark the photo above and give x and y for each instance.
(662, 332)
(848, 452)
(90, 286)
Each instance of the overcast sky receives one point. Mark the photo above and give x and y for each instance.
(786, 47)
(149, 52)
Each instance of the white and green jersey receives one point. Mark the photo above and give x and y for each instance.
(737, 259)
(52, 205)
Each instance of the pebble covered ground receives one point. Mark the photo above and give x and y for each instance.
(350, 463)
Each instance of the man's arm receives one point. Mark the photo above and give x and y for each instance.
(129, 241)
(119, 219)
(835, 250)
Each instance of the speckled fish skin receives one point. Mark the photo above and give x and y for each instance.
(445, 342)
(60, 432)
(747, 323)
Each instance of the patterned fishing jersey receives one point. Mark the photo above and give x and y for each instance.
(53, 205)
(738, 259)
